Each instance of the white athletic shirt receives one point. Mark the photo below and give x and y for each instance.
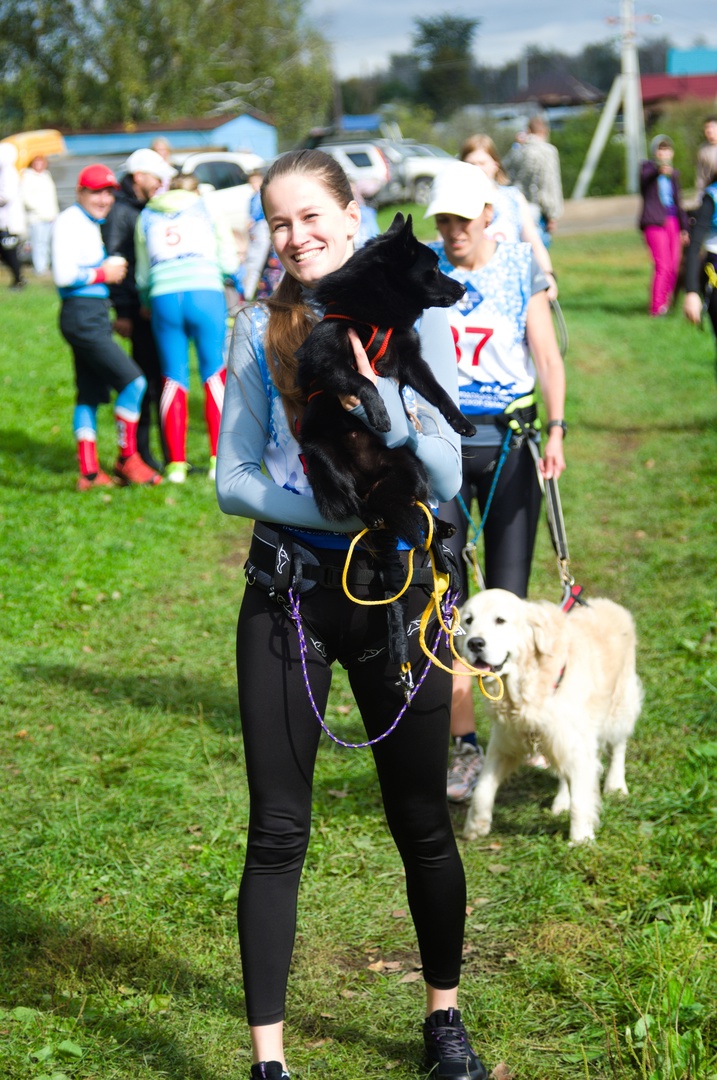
(488, 326)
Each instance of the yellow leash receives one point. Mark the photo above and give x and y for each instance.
(441, 583)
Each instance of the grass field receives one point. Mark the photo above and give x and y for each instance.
(123, 807)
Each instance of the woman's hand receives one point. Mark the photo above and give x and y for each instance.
(552, 463)
(692, 307)
(362, 366)
(552, 289)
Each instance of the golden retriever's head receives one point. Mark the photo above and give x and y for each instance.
(502, 632)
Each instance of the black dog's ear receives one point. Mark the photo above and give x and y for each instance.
(397, 224)
(401, 233)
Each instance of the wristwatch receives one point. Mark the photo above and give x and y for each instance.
(557, 423)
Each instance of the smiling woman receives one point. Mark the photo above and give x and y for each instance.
(295, 561)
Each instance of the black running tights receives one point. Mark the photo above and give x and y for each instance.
(281, 736)
(512, 522)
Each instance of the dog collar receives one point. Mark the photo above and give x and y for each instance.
(378, 342)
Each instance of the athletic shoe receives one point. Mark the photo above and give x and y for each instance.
(132, 470)
(212, 472)
(463, 770)
(448, 1050)
(98, 479)
(268, 1070)
(176, 472)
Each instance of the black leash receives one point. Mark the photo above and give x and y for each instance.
(571, 593)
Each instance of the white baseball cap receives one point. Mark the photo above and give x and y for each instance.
(149, 161)
(460, 189)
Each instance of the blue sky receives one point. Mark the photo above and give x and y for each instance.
(364, 33)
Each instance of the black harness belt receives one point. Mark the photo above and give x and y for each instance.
(278, 561)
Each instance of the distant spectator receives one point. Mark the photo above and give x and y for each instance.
(39, 197)
(146, 171)
(259, 240)
(161, 146)
(369, 226)
(700, 276)
(512, 220)
(12, 214)
(83, 274)
(534, 167)
(662, 220)
(183, 256)
(707, 156)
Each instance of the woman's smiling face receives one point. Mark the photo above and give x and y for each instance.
(311, 232)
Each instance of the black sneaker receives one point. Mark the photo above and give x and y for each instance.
(448, 1049)
(268, 1070)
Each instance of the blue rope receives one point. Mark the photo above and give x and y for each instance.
(504, 451)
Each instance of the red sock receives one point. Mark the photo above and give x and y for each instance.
(87, 457)
(126, 435)
(213, 404)
(173, 415)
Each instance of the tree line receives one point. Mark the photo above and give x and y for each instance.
(441, 71)
(79, 64)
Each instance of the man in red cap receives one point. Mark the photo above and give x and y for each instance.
(83, 274)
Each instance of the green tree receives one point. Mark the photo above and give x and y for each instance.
(75, 63)
(443, 47)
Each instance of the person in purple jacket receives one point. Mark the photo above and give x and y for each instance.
(662, 220)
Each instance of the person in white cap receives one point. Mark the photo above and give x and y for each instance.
(504, 337)
(145, 172)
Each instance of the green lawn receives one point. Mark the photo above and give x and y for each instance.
(123, 807)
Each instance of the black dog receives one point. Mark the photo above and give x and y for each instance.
(381, 292)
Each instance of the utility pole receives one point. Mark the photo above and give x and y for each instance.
(625, 91)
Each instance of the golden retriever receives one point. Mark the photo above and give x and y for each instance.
(571, 690)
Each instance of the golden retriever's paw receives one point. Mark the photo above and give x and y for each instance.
(582, 838)
(611, 788)
(476, 827)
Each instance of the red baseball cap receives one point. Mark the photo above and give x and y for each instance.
(96, 178)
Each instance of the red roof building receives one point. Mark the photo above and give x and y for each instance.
(657, 89)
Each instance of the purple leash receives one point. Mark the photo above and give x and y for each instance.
(295, 616)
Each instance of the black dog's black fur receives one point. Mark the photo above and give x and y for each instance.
(387, 283)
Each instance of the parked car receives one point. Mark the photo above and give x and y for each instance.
(399, 170)
(417, 165)
(222, 176)
(368, 166)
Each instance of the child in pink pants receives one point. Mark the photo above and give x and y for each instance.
(662, 220)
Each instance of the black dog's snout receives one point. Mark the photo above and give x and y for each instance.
(476, 644)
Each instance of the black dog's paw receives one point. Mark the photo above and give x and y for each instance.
(377, 414)
(444, 530)
(371, 521)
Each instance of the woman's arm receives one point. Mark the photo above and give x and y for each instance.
(242, 486)
(551, 376)
(692, 306)
(648, 174)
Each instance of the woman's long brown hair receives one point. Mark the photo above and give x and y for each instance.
(290, 318)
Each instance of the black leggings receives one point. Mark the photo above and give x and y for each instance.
(512, 522)
(712, 306)
(281, 737)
